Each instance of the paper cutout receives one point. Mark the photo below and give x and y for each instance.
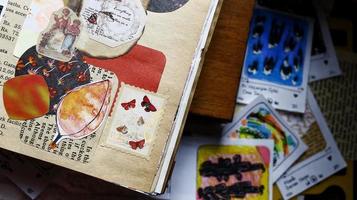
(112, 27)
(61, 77)
(129, 105)
(260, 121)
(40, 132)
(59, 39)
(147, 105)
(82, 111)
(139, 144)
(113, 22)
(277, 61)
(133, 130)
(164, 6)
(233, 172)
(141, 67)
(26, 97)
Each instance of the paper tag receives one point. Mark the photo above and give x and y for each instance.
(113, 22)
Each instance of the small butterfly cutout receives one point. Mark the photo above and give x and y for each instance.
(141, 121)
(122, 129)
(139, 144)
(93, 18)
(131, 104)
(149, 107)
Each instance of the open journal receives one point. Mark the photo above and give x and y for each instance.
(101, 86)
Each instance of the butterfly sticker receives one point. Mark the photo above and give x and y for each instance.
(141, 121)
(149, 107)
(93, 18)
(139, 144)
(131, 104)
(122, 129)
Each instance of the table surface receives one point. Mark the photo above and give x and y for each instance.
(217, 87)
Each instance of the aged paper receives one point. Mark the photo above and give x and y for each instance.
(177, 42)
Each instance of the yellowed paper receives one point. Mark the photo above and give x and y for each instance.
(177, 35)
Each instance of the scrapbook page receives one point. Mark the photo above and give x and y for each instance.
(97, 86)
(320, 161)
(277, 61)
(259, 120)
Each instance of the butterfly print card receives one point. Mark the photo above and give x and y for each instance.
(277, 61)
(239, 171)
(320, 161)
(260, 121)
(134, 121)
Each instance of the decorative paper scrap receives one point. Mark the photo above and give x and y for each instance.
(35, 23)
(242, 171)
(277, 61)
(44, 132)
(141, 67)
(324, 63)
(59, 39)
(259, 120)
(61, 77)
(337, 100)
(30, 175)
(323, 159)
(112, 27)
(164, 6)
(26, 97)
(3, 4)
(135, 120)
(82, 111)
(113, 22)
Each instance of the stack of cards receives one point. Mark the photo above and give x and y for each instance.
(284, 53)
(292, 147)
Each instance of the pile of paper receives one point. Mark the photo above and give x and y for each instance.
(279, 134)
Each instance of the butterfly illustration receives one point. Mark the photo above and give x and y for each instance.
(93, 18)
(131, 104)
(108, 14)
(148, 105)
(140, 121)
(139, 144)
(122, 129)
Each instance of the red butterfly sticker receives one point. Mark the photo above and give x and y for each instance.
(139, 144)
(93, 18)
(148, 105)
(129, 105)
